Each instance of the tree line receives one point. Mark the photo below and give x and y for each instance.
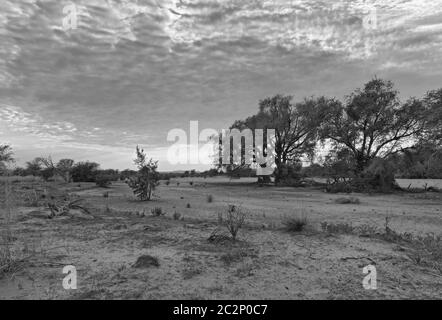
(371, 135)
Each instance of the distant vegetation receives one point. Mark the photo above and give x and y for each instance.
(371, 137)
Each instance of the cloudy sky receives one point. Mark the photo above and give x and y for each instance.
(130, 71)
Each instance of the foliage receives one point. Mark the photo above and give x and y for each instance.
(147, 178)
(296, 126)
(373, 123)
(85, 171)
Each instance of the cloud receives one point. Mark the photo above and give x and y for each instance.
(132, 70)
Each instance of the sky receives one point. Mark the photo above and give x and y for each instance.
(90, 80)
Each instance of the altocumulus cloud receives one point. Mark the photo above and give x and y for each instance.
(133, 70)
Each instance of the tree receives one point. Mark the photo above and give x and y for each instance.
(85, 171)
(373, 123)
(296, 127)
(64, 169)
(147, 178)
(33, 167)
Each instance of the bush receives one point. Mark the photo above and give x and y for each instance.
(288, 174)
(296, 224)
(209, 198)
(103, 181)
(84, 171)
(176, 216)
(147, 177)
(157, 211)
(234, 219)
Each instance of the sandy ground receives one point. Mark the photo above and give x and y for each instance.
(266, 262)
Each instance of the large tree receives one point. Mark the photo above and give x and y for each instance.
(373, 123)
(296, 126)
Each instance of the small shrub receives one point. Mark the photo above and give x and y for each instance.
(188, 205)
(234, 220)
(295, 224)
(176, 215)
(157, 211)
(209, 198)
(191, 183)
(106, 194)
(167, 182)
(350, 200)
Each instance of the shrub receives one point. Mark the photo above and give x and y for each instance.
(167, 182)
(234, 219)
(176, 216)
(209, 198)
(157, 211)
(295, 224)
(147, 178)
(188, 205)
(191, 183)
(84, 171)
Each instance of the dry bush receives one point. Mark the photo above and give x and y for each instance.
(176, 215)
(295, 224)
(350, 200)
(157, 211)
(233, 219)
(191, 183)
(209, 198)
(188, 205)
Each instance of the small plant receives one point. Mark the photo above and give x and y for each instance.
(157, 211)
(209, 198)
(167, 182)
(176, 215)
(188, 205)
(106, 194)
(234, 219)
(295, 224)
(191, 183)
